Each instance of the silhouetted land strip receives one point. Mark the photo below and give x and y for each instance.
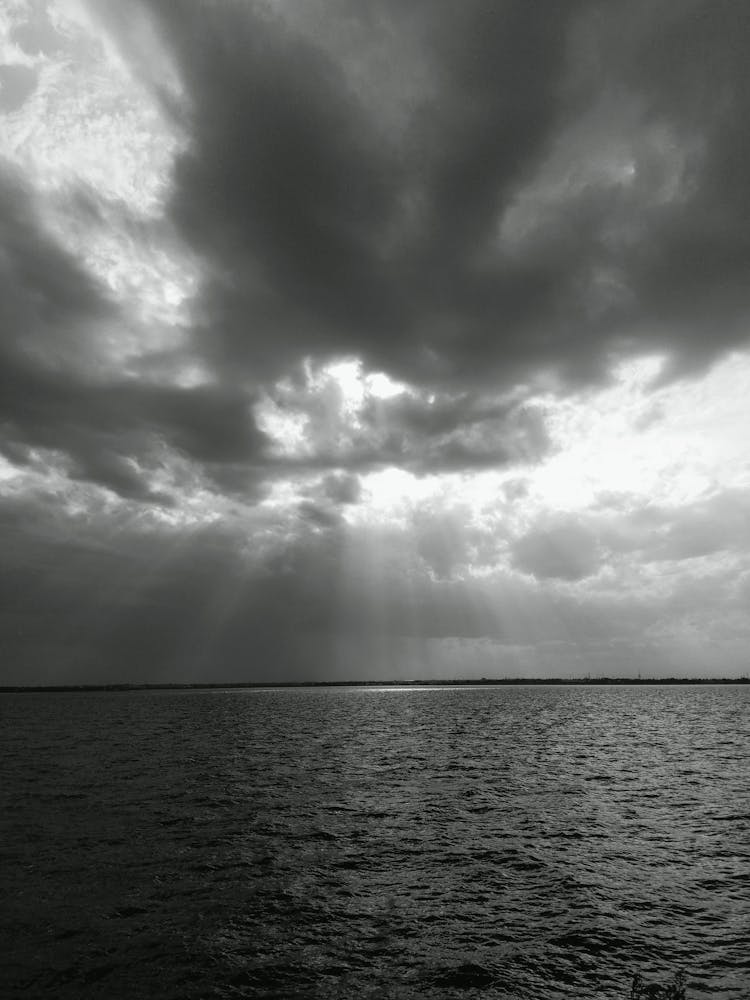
(474, 682)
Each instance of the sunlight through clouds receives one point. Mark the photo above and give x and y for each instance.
(665, 445)
(302, 310)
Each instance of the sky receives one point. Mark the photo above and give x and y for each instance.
(373, 340)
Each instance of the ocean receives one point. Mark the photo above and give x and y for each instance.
(495, 842)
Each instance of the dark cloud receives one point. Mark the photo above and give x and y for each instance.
(342, 488)
(321, 234)
(55, 392)
(565, 549)
(418, 431)
(574, 547)
(567, 185)
(325, 499)
(318, 515)
(281, 188)
(51, 304)
(689, 272)
(468, 235)
(709, 526)
(117, 473)
(443, 432)
(114, 431)
(474, 244)
(443, 542)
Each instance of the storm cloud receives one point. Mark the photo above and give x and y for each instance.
(563, 185)
(381, 329)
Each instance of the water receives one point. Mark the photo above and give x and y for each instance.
(496, 842)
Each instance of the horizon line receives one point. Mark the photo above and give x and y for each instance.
(410, 682)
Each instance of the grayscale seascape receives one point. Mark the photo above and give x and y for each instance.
(516, 842)
(388, 363)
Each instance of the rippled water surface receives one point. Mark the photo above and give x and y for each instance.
(514, 842)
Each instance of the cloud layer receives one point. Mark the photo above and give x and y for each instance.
(316, 330)
(558, 186)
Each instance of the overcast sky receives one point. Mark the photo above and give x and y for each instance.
(373, 339)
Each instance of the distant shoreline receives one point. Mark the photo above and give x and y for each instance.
(474, 682)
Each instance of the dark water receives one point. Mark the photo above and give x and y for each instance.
(496, 842)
